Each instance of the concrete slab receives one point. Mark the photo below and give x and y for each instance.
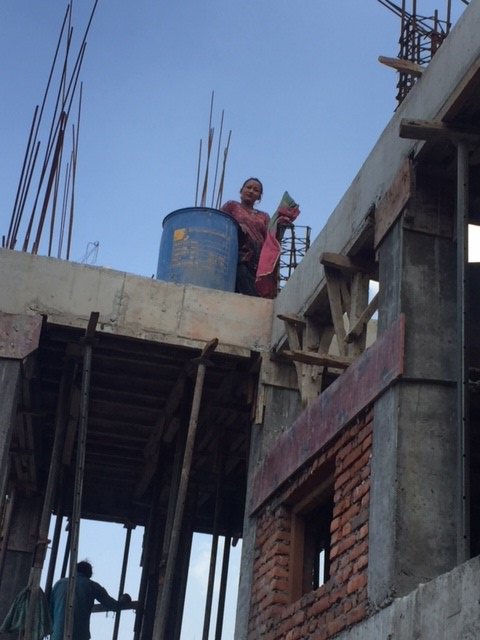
(67, 292)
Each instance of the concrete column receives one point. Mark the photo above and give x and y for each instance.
(415, 477)
(10, 380)
(21, 547)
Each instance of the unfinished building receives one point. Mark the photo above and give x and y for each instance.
(350, 472)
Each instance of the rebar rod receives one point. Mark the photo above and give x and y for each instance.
(74, 172)
(51, 179)
(198, 171)
(64, 209)
(36, 122)
(203, 200)
(26, 187)
(54, 204)
(222, 178)
(218, 158)
(21, 179)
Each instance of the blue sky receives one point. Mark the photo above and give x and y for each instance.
(303, 93)
(302, 90)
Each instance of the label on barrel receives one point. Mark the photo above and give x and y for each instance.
(179, 234)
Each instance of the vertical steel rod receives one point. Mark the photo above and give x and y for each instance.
(462, 350)
(223, 587)
(53, 554)
(214, 550)
(66, 554)
(121, 587)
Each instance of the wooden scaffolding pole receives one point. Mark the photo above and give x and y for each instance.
(164, 593)
(79, 474)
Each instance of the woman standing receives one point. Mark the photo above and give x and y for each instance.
(253, 231)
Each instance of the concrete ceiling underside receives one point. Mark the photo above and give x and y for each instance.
(130, 450)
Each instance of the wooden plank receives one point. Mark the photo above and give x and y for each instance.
(292, 319)
(405, 66)
(359, 300)
(394, 200)
(336, 308)
(428, 130)
(363, 320)
(319, 359)
(361, 384)
(345, 263)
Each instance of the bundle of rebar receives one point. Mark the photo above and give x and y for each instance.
(41, 190)
(217, 193)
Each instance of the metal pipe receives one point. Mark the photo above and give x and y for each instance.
(463, 546)
(53, 554)
(66, 553)
(121, 587)
(161, 613)
(214, 550)
(223, 587)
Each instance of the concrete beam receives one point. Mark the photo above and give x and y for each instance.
(132, 306)
(370, 375)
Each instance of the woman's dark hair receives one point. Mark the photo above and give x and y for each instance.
(255, 180)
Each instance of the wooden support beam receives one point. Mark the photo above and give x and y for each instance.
(358, 302)
(363, 320)
(404, 66)
(336, 307)
(414, 129)
(318, 359)
(345, 263)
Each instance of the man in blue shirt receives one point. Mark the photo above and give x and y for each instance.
(86, 592)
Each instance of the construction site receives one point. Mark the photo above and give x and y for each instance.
(334, 429)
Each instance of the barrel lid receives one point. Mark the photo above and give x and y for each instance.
(199, 210)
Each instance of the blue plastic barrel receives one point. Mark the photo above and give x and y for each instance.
(199, 246)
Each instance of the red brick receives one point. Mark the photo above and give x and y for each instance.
(356, 583)
(336, 625)
(356, 615)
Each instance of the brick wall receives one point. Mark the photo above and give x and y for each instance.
(342, 600)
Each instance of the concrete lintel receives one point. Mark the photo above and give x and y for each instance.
(132, 306)
(370, 375)
(19, 335)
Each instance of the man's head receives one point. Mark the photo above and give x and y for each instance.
(85, 568)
